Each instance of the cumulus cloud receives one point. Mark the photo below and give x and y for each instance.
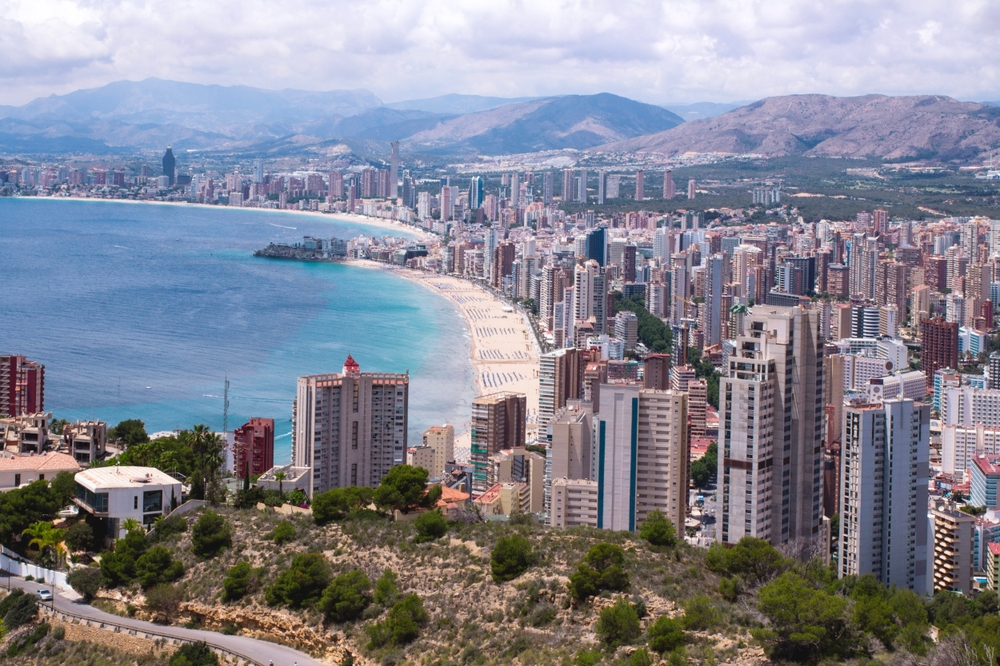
(667, 51)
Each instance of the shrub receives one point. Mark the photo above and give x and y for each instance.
(511, 557)
(430, 526)
(119, 566)
(211, 534)
(665, 635)
(157, 566)
(238, 581)
(79, 536)
(337, 503)
(347, 597)
(700, 614)
(401, 626)
(402, 488)
(618, 625)
(804, 622)
(86, 581)
(387, 589)
(729, 589)
(194, 654)
(302, 583)
(164, 599)
(640, 658)
(753, 560)
(23, 644)
(658, 530)
(603, 568)
(20, 609)
(169, 527)
(283, 532)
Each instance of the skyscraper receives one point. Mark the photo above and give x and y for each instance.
(714, 278)
(597, 245)
(170, 165)
(567, 185)
(394, 171)
(498, 422)
(22, 386)
(253, 447)
(640, 192)
(515, 191)
(883, 492)
(602, 178)
(547, 188)
(581, 187)
(475, 192)
(939, 347)
(668, 185)
(351, 428)
(691, 188)
(560, 378)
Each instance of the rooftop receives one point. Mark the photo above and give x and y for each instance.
(46, 461)
(994, 548)
(124, 477)
(989, 465)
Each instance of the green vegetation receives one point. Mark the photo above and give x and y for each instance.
(618, 625)
(283, 532)
(119, 565)
(336, 504)
(658, 530)
(405, 487)
(602, 569)
(387, 589)
(430, 527)
(195, 453)
(18, 608)
(705, 469)
(652, 331)
(665, 635)
(86, 581)
(238, 581)
(128, 433)
(511, 556)
(210, 535)
(703, 369)
(36, 502)
(156, 566)
(302, 583)
(347, 597)
(401, 626)
(753, 561)
(164, 599)
(79, 536)
(194, 654)
(804, 622)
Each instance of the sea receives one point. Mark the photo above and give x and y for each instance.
(145, 311)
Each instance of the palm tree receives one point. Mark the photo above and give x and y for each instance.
(132, 525)
(47, 539)
(280, 477)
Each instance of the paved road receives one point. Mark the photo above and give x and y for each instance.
(261, 651)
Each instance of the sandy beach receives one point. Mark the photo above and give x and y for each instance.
(503, 349)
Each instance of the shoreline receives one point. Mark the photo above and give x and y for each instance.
(379, 222)
(502, 349)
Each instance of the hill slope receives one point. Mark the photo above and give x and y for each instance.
(924, 126)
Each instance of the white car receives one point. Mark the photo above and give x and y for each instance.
(44, 595)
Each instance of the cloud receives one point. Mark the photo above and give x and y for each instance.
(667, 51)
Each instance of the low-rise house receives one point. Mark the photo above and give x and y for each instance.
(17, 471)
(115, 494)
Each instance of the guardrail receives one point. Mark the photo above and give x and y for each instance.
(229, 655)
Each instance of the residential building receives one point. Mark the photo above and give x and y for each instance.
(952, 547)
(421, 456)
(560, 377)
(441, 439)
(253, 447)
(115, 494)
(22, 386)
(985, 481)
(574, 502)
(350, 428)
(627, 329)
(17, 471)
(939, 347)
(656, 371)
(993, 566)
(498, 422)
(86, 441)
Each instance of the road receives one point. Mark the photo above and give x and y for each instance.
(251, 648)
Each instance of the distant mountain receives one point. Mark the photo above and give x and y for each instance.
(456, 104)
(922, 127)
(553, 123)
(702, 110)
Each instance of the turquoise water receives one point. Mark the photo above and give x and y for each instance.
(141, 311)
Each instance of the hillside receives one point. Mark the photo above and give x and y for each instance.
(819, 125)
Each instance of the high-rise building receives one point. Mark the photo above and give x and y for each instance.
(714, 282)
(22, 386)
(560, 378)
(656, 372)
(883, 491)
(170, 166)
(669, 190)
(567, 185)
(640, 459)
(691, 188)
(602, 183)
(441, 440)
(498, 422)
(394, 171)
(369, 184)
(253, 447)
(335, 187)
(475, 192)
(350, 428)
(547, 188)
(515, 191)
(446, 204)
(640, 191)
(581, 186)
(953, 541)
(771, 427)
(597, 245)
(939, 347)
(627, 329)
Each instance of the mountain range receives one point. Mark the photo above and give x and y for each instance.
(126, 116)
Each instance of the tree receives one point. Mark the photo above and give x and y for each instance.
(157, 566)
(19, 611)
(337, 503)
(238, 581)
(164, 599)
(603, 568)
(64, 488)
(283, 532)
(657, 529)
(700, 614)
(119, 566)
(302, 583)
(86, 581)
(347, 597)
(132, 525)
(705, 469)
(618, 625)
(47, 539)
(402, 488)
(430, 526)
(194, 654)
(665, 635)
(80, 536)
(805, 623)
(401, 626)
(280, 478)
(129, 433)
(754, 560)
(210, 535)
(511, 557)
(22, 507)
(387, 589)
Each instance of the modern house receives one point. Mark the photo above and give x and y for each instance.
(114, 494)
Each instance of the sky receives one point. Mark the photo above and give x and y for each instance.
(674, 51)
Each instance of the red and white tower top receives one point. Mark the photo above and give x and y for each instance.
(351, 366)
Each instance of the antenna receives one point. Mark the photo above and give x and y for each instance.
(225, 408)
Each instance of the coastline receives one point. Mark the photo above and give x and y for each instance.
(379, 222)
(502, 348)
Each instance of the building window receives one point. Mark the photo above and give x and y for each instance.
(17, 480)
(135, 502)
(152, 500)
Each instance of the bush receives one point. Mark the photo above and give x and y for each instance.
(640, 658)
(164, 599)
(238, 581)
(119, 566)
(302, 583)
(430, 526)
(665, 635)
(79, 536)
(347, 597)
(18, 609)
(387, 589)
(402, 488)
(86, 581)
(511, 557)
(700, 614)
(337, 503)
(283, 532)
(168, 527)
(618, 625)
(194, 654)
(401, 626)
(157, 566)
(211, 534)
(658, 530)
(17, 647)
(754, 560)
(602, 569)
(805, 623)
